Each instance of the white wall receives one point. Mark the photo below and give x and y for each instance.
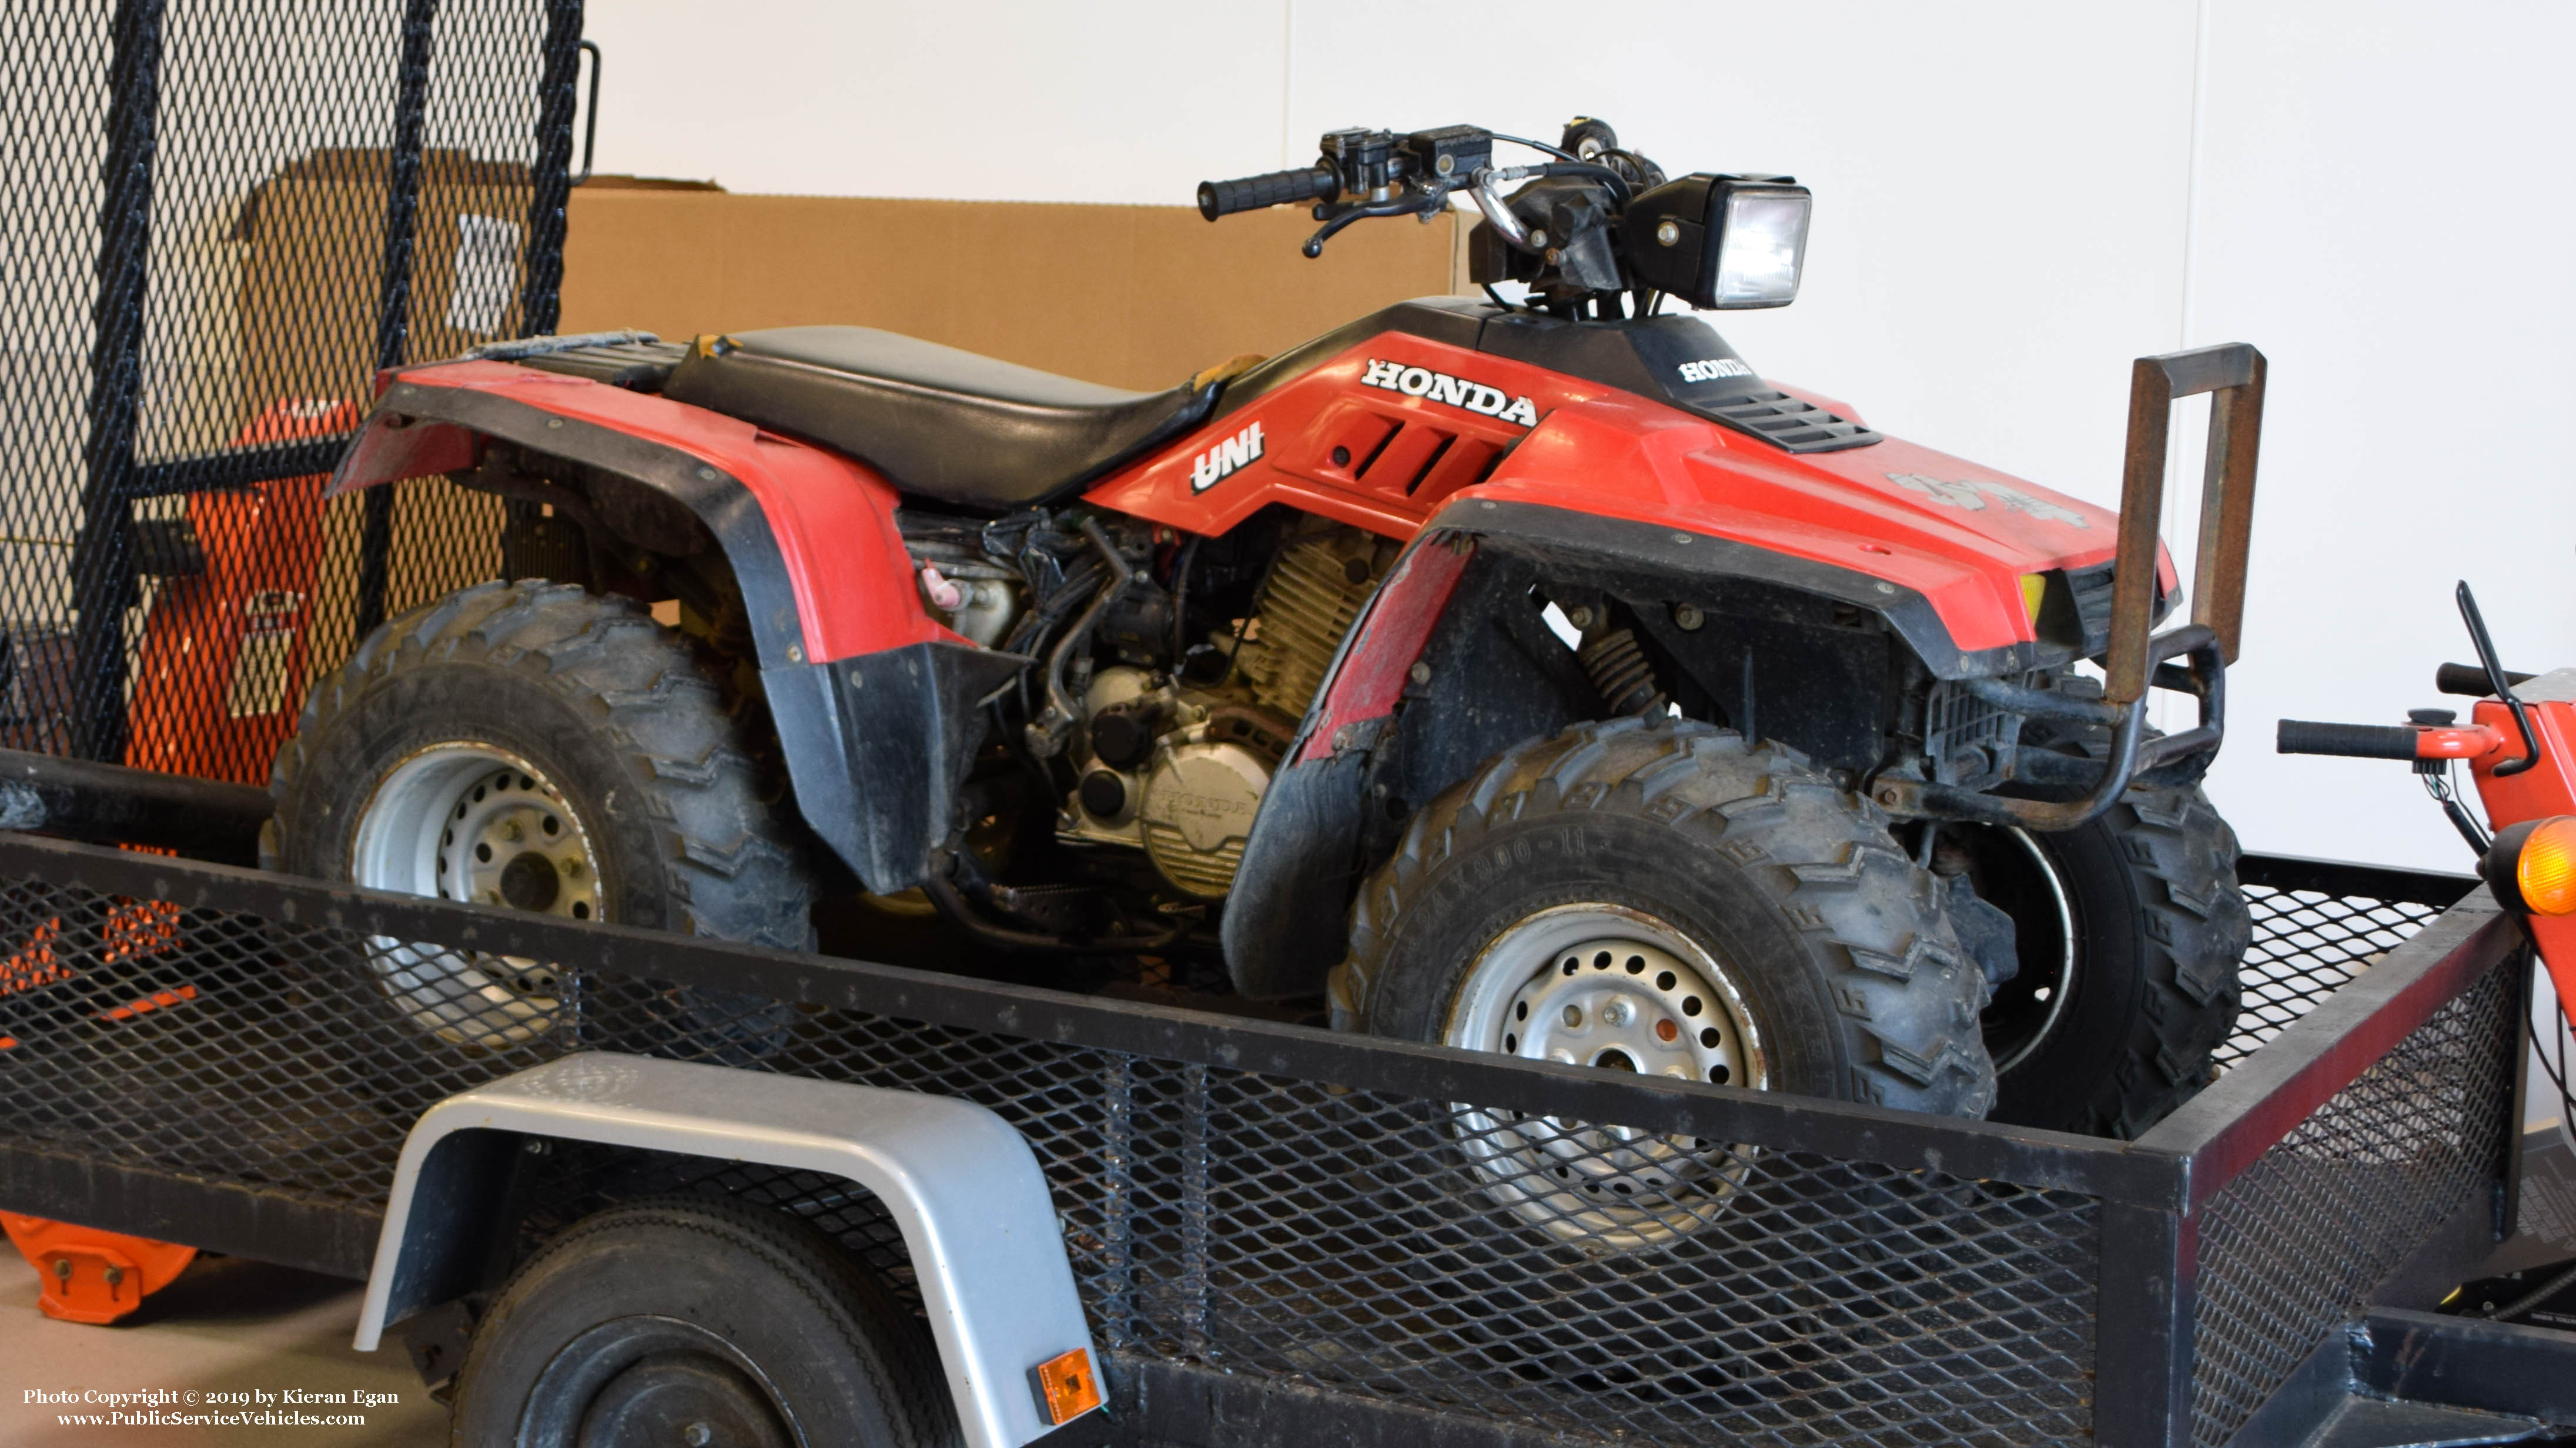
(2013, 201)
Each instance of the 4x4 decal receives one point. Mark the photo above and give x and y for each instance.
(1455, 391)
(1971, 494)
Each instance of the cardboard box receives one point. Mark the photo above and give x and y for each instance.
(313, 238)
(1128, 296)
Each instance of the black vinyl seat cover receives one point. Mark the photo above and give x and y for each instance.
(941, 423)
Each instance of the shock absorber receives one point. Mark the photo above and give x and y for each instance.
(1618, 666)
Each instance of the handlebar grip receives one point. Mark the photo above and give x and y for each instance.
(1279, 188)
(2471, 681)
(2347, 741)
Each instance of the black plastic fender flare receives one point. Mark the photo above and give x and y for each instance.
(1283, 926)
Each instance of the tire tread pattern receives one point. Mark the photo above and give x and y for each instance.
(877, 1335)
(1822, 855)
(731, 863)
(2195, 930)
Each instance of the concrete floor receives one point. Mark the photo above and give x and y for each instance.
(226, 1324)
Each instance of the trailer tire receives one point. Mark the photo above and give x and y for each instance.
(1736, 866)
(624, 739)
(642, 1322)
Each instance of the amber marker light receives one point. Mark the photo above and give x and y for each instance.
(1071, 1387)
(2545, 871)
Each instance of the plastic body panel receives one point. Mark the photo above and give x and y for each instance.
(811, 539)
(1438, 408)
(810, 534)
(1956, 534)
(959, 1182)
(1440, 422)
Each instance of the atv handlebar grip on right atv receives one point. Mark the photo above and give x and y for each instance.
(2471, 681)
(2348, 741)
(1279, 188)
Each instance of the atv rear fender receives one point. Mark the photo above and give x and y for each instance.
(848, 656)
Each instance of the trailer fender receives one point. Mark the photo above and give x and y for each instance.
(957, 1180)
(846, 649)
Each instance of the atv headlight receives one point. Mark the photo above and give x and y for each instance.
(1720, 242)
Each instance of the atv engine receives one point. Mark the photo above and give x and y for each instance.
(1178, 769)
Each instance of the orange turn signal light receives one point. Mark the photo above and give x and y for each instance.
(2545, 872)
(2531, 867)
(1071, 1387)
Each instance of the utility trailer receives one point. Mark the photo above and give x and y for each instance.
(1270, 1234)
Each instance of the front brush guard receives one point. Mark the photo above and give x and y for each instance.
(2132, 753)
(2137, 656)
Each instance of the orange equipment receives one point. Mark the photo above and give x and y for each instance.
(221, 675)
(225, 649)
(90, 1276)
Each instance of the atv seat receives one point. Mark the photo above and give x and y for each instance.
(947, 425)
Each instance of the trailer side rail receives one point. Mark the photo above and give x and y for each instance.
(1277, 1230)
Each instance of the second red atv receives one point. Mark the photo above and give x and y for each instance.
(1529, 675)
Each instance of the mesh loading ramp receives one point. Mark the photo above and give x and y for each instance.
(221, 218)
(1284, 1236)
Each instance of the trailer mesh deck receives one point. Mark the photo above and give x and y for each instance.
(1257, 1207)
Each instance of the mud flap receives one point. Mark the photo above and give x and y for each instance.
(1278, 945)
(877, 746)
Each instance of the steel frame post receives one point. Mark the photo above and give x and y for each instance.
(102, 554)
(550, 180)
(393, 296)
(2236, 372)
(2142, 1350)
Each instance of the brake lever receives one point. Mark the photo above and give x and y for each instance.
(1314, 246)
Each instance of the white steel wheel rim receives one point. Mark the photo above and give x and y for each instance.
(1641, 996)
(473, 822)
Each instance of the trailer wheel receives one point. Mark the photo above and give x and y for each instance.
(2129, 931)
(1658, 896)
(698, 1320)
(540, 747)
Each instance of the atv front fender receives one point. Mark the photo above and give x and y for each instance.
(1398, 719)
(873, 699)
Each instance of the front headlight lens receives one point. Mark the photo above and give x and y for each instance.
(1762, 241)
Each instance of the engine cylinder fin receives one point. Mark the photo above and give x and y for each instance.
(1309, 603)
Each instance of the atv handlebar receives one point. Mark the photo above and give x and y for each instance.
(1278, 188)
(2347, 741)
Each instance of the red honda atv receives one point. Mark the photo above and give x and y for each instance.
(1529, 676)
